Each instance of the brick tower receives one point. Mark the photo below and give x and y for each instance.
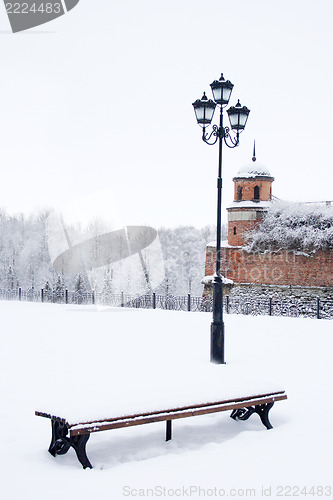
(252, 195)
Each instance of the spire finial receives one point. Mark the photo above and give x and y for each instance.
(254, 151)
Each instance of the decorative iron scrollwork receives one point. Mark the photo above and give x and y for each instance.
(220, 133)
(261, 410)
(214, 133)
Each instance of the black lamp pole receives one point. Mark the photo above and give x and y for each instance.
(217, 325)
(204, 110)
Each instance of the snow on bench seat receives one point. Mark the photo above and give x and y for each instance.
(101, 399)
(133, 396)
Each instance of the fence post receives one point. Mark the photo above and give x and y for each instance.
(93, 297)
(20, 293)
(42, 295)
(154, 300)
(66, 296)
(189, 302)
(227, 304)
(318, 308)
(270, 306)
(122, 299)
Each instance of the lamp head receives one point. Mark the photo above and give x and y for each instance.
(238, 116)
(204, 110)
(221, 90)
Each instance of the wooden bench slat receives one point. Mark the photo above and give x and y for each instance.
(171, 410)
(130, 421)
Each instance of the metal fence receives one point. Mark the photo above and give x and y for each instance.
(306, 307)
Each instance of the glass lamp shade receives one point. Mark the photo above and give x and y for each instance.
(204, 110)
(221, 90)
(238, 116)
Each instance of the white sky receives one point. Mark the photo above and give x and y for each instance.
(101, 99)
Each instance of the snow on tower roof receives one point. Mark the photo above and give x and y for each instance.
(253, 169)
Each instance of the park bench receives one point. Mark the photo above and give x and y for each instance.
(76, 434)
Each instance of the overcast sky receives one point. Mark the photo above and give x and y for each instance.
(101, 99)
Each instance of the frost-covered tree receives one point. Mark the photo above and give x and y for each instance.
(80, 288)
(23, 248)
(48, 292)
(107, 286)
(11, 281)
(184, 251)
(302, 227)
(59, 290)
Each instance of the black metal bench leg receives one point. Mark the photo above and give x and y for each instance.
(60, 443)
(79, 445)
(262, 410)
(168, 430)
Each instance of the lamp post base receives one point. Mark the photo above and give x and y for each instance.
(217, 343)
(217, 325)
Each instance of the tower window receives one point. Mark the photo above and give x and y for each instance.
(257, 193)
(235, 230)
(239, 193)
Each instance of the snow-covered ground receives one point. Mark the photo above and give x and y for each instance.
(86, 358)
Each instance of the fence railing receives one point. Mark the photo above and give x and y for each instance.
(308, 307)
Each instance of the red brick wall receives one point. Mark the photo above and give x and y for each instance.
(248, 186)
(274, 268)
(242, 227)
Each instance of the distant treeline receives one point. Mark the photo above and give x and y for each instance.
(25, 262)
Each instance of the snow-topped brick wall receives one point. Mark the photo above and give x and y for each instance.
(276, 268)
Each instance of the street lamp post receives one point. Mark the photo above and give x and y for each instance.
(204, 110)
